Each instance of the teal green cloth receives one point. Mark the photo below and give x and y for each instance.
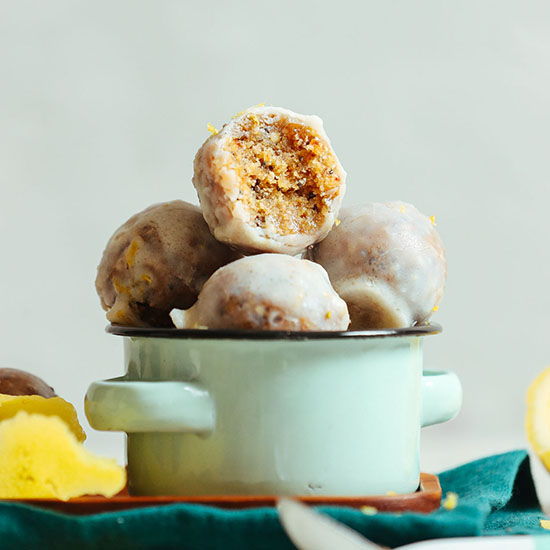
(496, 497)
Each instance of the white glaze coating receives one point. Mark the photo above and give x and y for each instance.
(387, 261)
(267, 292)
(218, 184)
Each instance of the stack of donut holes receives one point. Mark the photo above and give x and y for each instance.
(270, 248)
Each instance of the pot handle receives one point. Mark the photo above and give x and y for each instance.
(441, 397)
(131, 406)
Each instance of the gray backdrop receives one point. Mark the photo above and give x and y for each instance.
(443, 104)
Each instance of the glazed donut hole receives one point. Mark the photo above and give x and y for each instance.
(19, 382)
(269, 181)
(159, 259)
(267, 292)
(387, 261)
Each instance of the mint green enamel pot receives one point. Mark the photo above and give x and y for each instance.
(233, 412)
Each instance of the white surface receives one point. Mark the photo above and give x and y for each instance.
(441, 104)
(483, 543)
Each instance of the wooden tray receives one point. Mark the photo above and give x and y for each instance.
(426, 499)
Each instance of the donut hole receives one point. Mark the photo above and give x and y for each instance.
(287, 172)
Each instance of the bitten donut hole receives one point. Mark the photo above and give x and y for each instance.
(287, 171)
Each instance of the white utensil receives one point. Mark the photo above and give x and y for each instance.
(310, 530)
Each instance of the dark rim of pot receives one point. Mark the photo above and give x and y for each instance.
(218, 334)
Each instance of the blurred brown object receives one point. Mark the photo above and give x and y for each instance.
(20, 382)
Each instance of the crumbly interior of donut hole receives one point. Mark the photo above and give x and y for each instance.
(288, 174)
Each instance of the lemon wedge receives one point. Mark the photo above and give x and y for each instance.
(42, 458)
(537, 421)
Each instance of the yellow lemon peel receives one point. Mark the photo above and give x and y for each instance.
(11, 405)
(537, 419)
(211, 129)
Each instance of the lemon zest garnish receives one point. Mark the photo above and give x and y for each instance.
(337, 222)
(131, 252)
(328, 314)
(211, 129)
(247, 109)
(391, 493)
(119, 287)
(146, 278)
(435, 308)
(402, 208)
(369, 510)
(545, 524)
(451, 501)
(432, 219)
